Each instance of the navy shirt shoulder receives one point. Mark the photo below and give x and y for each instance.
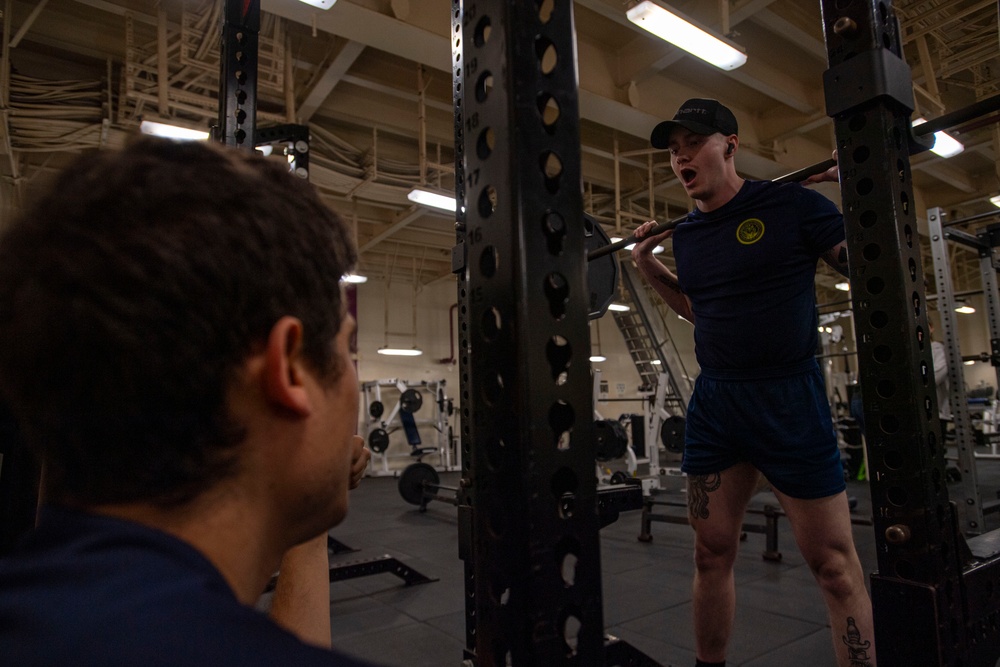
(749, 270)
(92, 590)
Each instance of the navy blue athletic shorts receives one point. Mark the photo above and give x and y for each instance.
(781, 425)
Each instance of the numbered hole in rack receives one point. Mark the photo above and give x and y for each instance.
(552, 168)
(496, 452)
(545, 9)
(885, 388)
(915, 300)
(485, 143)
(498, 519)
(908, 236)
(558, 352)
(571, 634)
(897, 496)
(484, 84)
(912, 265)
(489, 260)
(554, 227)
(547, 55)
(491, 324)
(548, 109)
(557, 292)
(561, 419)
(857, 122)
(889, 424)
(865, 186)
(564, 488)
(904, 202)
(868, 219)
(871, 252)
(492, 387)
(861, 154)
(878, 319)
(483, 30)
(901, 170)
(487, 201)
(893, 459)
(500, 591)
(875, 285)
(897, 138)
(566, 551)
(882, 354)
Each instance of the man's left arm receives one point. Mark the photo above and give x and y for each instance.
(836, 257)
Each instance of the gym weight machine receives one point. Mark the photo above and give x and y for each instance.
(379, 425)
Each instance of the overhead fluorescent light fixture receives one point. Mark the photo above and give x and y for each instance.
(597, 358)
(426, 197)
(655, 362)
(995, 200)
(619, 307)
(669, 25)
(944, 144)
(843, 286)
(353, 278)
(322, 4)
(172, 131)
(964, 308)
(400, 351)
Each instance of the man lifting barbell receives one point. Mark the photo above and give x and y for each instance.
(746, 261)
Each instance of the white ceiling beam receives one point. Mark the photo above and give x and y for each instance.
(27, 23)
(370, 28)
(402, 220)
(785, 29)
(328, 80)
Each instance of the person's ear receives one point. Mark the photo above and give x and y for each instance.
(283, 367)
(730, 148)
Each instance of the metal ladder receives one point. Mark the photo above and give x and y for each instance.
(647, 341)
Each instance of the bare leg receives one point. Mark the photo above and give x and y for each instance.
(716, 504)
(822, 529)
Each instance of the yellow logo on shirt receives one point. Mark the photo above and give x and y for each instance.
(750, 231)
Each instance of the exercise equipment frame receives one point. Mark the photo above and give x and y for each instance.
(936, 595)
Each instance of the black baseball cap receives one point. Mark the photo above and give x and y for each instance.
(699, 116)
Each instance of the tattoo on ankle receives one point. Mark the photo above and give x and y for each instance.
(857, 650)
(699, 486)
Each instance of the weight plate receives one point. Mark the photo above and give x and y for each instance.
(375, 409)
(610, 439)
(415, 478)
(378, 440)
(410, 401)
(619, 477)
(602, 273)
(672, 434)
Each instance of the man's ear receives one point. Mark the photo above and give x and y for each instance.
(283, 367)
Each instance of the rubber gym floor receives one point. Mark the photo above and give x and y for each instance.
(780, 617)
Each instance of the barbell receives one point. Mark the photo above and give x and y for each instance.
(946, 121)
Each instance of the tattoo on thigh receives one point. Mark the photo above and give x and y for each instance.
(699, 486)
(857, 649)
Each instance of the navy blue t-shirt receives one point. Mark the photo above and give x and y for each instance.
(92, 590)
(749, 269)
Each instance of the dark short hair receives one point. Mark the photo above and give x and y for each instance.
(131, 293)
